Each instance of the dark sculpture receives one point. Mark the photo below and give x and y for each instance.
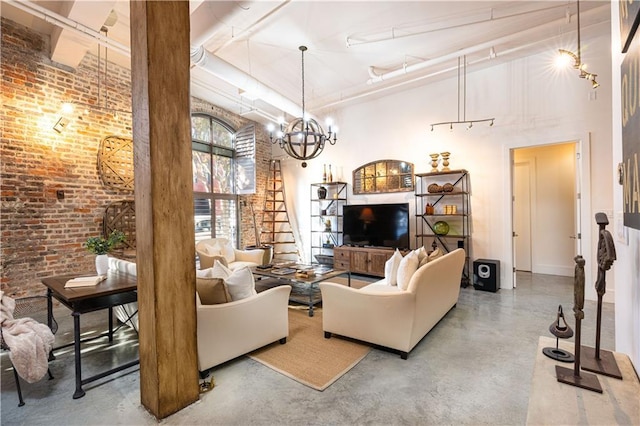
(595, 360)
(566, 375)
(561, 330)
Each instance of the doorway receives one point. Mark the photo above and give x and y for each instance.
(545, 224)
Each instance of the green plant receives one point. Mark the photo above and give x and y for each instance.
(100, 245)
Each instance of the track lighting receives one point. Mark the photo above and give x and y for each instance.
(577, 58)
(468, 123)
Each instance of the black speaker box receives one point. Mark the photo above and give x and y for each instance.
(486, 275)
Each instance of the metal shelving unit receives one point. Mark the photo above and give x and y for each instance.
(326, 220)
(459, 222)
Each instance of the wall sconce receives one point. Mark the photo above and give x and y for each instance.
(61, 124)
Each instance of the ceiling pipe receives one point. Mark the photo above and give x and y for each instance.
(382, 89)
(460, 22)
(238, 78)
(406, 69)
(199, 56)
(64, 22)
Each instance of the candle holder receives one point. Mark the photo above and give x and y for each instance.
(434, 162)
(445, 161)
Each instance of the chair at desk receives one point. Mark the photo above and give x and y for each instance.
(34, 307)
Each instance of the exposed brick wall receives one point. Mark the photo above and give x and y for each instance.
(42, 235)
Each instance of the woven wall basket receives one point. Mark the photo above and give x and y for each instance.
(115, 162)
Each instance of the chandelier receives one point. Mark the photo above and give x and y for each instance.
(303, 139)
(577, 59)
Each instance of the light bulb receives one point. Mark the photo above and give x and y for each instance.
(564, 59)
(67, 108)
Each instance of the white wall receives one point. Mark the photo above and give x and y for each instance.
(627, 267)
(532, 104)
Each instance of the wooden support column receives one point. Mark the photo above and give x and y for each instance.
(164, 205)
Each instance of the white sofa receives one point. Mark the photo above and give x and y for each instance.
(388, 316)
(229, 330)
(127, 313)
(239, 258)
(226, 330)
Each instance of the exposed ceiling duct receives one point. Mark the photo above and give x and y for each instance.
(64, 22)
(199, 56)
(232, 75)
(524, 35)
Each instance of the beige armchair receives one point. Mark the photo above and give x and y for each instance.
(241, 258)
(229, 330)
(387, 316)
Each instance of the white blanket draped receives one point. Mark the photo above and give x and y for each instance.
(28, 340)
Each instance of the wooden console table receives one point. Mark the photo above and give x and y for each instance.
(555, 403)
(363, 260)
(119, 288)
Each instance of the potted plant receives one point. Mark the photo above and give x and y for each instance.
(101, 247)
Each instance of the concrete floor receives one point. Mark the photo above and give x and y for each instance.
(475, 367)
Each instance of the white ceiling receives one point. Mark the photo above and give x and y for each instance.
(348, 43)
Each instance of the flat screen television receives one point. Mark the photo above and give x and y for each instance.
(376, 225)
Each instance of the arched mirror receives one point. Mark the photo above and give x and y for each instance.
(383, 176)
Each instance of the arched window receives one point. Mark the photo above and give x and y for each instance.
(223, 164)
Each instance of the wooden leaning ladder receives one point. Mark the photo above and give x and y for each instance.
(276, 227)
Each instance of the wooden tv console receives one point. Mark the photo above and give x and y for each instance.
(363, 260)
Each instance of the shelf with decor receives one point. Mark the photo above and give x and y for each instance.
(327, 202)
(443, 213)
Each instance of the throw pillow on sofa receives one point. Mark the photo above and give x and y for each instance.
(432, 256)
(391, 268)
(212, 291)
(421, 252)
(240, 283)
(406, 269)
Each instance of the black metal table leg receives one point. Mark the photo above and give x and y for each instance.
(311, 299)
(110, 325)
(79, 393)
(50, 318)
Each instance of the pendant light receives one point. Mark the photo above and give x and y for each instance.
(304, 138)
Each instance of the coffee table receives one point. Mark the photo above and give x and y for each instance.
(310, 284)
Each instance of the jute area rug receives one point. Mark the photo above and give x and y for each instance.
(308, 357)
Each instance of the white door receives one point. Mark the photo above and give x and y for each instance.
(522, 215)
(578, 195)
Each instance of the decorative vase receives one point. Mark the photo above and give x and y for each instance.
(441, 228)
(445, 161)
(322, 192)
(102, 264)
(434, 162)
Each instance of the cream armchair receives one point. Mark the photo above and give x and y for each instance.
(241, 258)
(387, 316)
(229, 330)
